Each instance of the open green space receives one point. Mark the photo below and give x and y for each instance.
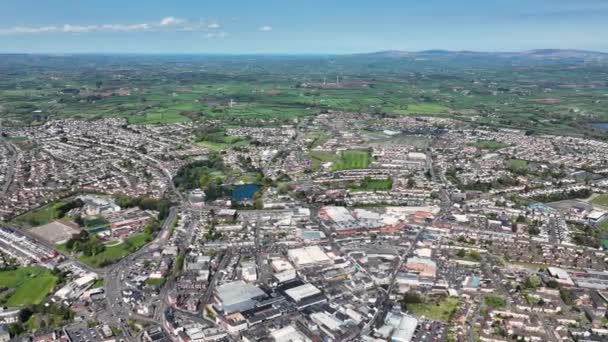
(349, 160)
(495, 302)
(421, 108)
(42, 215)
(155, 281)
(30, 284)
(483, 90)
(442, 309)
(489, 145)
(373, 185)
(113, 253)
(321, 157)
(601, 200)
(517, 164)
(318, 138)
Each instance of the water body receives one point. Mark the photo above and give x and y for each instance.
(600, 125)
(245, 192)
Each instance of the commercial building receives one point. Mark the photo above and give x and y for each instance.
(237, 296)
(308, 256)
(305, 295)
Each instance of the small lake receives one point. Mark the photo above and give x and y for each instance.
(244, 192)
(600, 125)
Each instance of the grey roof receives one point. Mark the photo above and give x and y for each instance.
(237, 292)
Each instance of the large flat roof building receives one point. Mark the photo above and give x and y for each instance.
(237, 296)
(308, 256)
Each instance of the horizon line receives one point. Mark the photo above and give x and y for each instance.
(438, 50)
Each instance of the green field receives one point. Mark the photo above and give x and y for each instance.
(601, 200)
(350, 160)
(42, 215)
(31, 284)
(172, 89)
(495, 302)
(116, 252)
(517, 164)
(155, 281)
(422, 108)
(322, 157)
(489, 145)
(442, 310)
(374, 184)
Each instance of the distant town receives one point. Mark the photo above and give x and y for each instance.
(332, 227)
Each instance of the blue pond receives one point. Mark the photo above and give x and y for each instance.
(244, 192)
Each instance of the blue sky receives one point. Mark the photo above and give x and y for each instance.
(299, 26)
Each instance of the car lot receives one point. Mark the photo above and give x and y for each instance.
(430, 331)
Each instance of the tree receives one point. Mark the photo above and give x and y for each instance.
(461, 253)
(411, 297)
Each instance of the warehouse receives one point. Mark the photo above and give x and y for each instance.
(237, 296)
(305, 295)
(308, 256)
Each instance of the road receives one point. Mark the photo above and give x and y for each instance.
(116, 274)
(10, 172)
(383, 302)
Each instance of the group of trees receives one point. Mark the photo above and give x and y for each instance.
(188, 176)
(564, 195)
(86, 244)
(63, 209)
(145, 203)
(49, 315)
(203, 174)
(473, 254)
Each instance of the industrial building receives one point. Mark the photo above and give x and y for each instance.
(237, 296)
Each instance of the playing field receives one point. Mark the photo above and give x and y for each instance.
(31, 284)
(374, 184)
(350, 160)
(42, 215)
(489, 145)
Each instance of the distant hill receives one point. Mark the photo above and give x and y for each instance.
(537, 53)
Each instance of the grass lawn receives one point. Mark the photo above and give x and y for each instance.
(216, 146)
(601, 200)
(318, 138)
(116, 252)
(31, 284)
(159, 116)
(33, 290)
(517, 164)
(352, 160)
(495, 302)
(374, 184)
(155, 281)
(221, 141)
(489, 145)
(442, 310)
(321, 157)
(42, 215)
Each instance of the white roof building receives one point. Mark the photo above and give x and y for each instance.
(303, 291)
(308, 256)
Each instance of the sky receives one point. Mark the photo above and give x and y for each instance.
(299, 26)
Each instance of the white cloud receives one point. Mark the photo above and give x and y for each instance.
(165, 24)
(169, 21)
(265, 28)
